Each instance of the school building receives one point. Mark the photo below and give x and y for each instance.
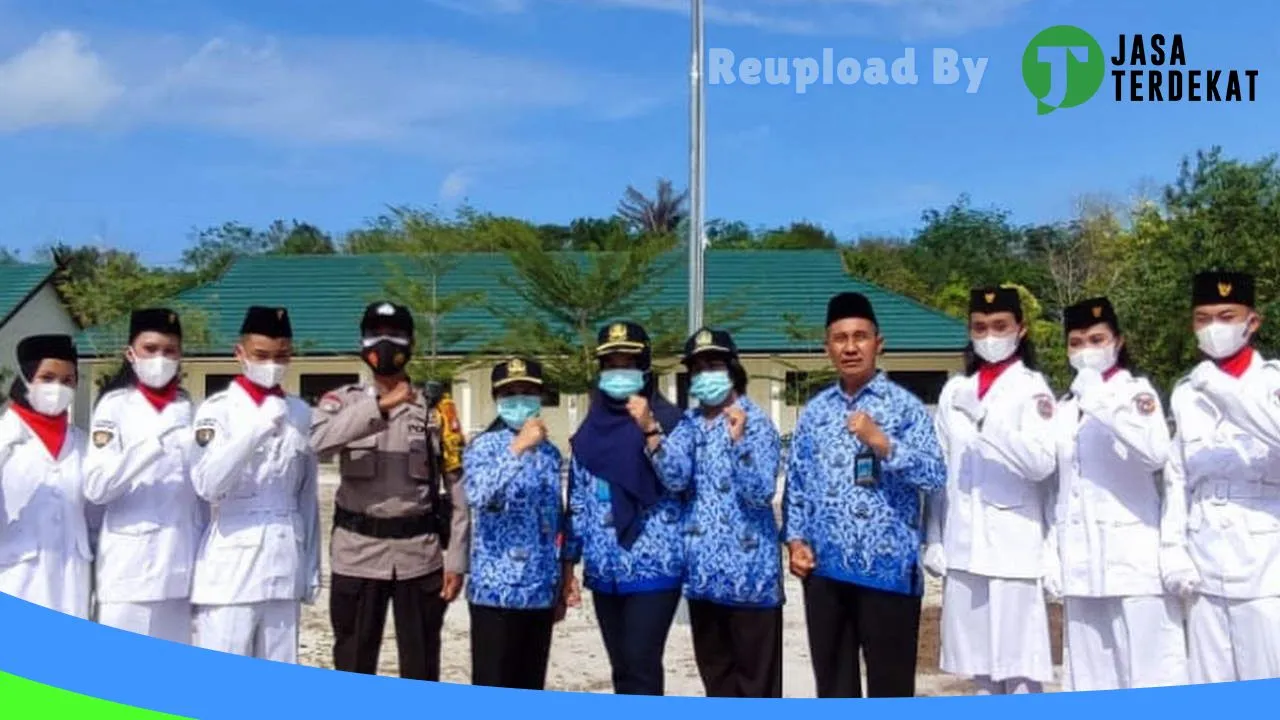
(29, 305)
(770, 293)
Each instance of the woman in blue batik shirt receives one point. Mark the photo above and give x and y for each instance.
(512, 484)
(625, 524)
(727, 451)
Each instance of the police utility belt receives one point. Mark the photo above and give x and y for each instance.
(389, 528)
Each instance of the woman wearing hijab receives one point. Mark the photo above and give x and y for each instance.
(1122, 629)
(512, 484)
(137, 467)
(727, 451)
(45, 551)
(624, 523)
(987, 527)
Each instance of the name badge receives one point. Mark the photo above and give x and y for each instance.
(866, 469)
(602, 491)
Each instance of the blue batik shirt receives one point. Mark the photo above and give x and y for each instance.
(516, 520)
(655, 561)
(865, 535)
(733, 546)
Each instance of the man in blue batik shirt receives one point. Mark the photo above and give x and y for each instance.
(862, 454)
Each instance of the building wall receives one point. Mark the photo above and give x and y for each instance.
(42, 314)
(767, 387)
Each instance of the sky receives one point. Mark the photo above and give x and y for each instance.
(133, 123)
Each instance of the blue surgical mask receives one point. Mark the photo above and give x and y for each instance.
(711, 387)
(516, 409)
(621, 383)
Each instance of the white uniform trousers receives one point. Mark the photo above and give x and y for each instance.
(1114, 643)
(266, 630)
(1233, 640)
(52, 580)
(995, 630)
(166, 619)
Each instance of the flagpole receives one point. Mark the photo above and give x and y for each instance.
(697, 161)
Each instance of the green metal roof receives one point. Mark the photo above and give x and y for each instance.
(326, 295)
(18, 282)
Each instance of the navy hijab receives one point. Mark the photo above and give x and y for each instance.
(611, 446)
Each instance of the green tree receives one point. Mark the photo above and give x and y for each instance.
(100, 285)
(660, 215)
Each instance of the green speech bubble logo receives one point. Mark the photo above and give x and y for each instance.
(1063, 67)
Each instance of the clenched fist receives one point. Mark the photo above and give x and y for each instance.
(640, 411)
(401, 393)
(864, 427)
(801, 558)
(531, 434)
(737, 422)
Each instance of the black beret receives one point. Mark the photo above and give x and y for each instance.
(1219, 288)
(385, 314)
(850, 305)
(994, 300)
(1087, 313)
(707, 340)
(35, 348)
(267, 321)
(623, 337)
(161, 320)
(516, 370)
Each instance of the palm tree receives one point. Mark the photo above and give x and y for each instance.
(662, 215)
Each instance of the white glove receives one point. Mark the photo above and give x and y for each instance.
(1203, 376)
(935, 560)
(1178, 573)
(277, 411)
(1051, 578)
(1087, 381)
(966, 401)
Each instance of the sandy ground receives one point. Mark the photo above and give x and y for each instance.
(578, 660)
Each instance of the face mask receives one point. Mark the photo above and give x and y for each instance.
(50, 398)
(1221, 340)
(516, 409)
(386, 356)
(155, 372)
(266, 374)
(711, 387)
(997, 348)
(622, 383)
(1101, 359)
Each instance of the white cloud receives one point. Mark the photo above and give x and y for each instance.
(57, 80)
(454, 186)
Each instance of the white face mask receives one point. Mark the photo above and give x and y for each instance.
(996, 348)
(155, 372)
(1101, 359)
(50, 398)
(265, 374)
(1221, 340)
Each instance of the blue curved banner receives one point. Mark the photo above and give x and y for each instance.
(92, 660)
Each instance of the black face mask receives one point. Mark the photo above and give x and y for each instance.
(386, 358)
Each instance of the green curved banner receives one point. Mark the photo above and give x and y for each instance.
(22, 698)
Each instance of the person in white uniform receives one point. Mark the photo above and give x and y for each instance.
(254, 464)
(45, 524)
(1226, 462)
(137, 468)
(1122, 630)
(986, 529)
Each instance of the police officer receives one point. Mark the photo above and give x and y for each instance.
(388, 537)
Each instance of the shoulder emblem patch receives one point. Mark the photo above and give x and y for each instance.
(1146, 403)
(101, 437)
(1044, 406)
(331, 402)
(203, 436)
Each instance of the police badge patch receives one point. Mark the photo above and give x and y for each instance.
(1044, 406)
(1146, 403)
(331, 402)
(101, 438)
(204, 432)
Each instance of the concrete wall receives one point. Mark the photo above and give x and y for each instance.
(476, 409)
(42, 314)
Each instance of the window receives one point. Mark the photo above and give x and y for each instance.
(924, 384)
(216, 383)
(550, 395)
(315, 386)
(802, 386)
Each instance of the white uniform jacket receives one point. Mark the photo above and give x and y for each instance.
(991, 517)
(136, 466)
(1112, 443)
(255, 466)
(45, 524)
(1226, 461)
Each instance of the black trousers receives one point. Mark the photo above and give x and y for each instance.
(635, 629)
(358, 612)
(738, 650)
(510, 648)
(844, 619)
